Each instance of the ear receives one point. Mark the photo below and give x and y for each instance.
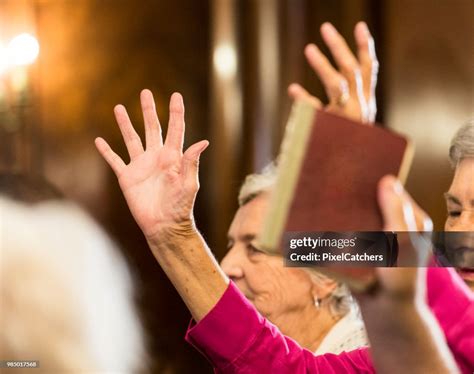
(322, 287)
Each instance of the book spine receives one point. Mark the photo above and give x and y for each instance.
(289, 163)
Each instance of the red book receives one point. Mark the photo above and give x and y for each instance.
(328, 171)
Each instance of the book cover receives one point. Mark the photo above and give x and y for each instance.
(328, 171)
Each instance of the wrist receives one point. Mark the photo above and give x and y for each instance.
(171, 233)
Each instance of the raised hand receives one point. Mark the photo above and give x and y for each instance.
(403, 284)
(403, 215)
(159, 183)
(351, 89)
(396, 307)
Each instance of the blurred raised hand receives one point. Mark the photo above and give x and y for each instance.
(397, 306)
(350, 88)
(159, 183)
(413, 226)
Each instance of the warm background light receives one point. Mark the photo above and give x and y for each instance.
(23, 49)
(225, 60)
(3, 59)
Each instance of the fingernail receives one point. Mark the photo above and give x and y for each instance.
(329, 29)
(311, 49)
(203, 147)
(397, 187)
(365, 28)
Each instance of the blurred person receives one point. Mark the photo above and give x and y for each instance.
(460, 202)
(315, 310)
(410, 331)
(66, 296)
(29, 189)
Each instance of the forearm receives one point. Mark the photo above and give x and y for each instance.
(189, 264)
(405, 337)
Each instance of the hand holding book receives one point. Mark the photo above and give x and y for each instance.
(330, 166)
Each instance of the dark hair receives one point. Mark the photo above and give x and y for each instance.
(27, 188)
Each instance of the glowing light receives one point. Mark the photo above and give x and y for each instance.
(225, 60)
(23, 49)
(3, 59)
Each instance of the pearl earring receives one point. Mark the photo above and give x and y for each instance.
(316, 303)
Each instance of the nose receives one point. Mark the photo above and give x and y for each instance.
(232, 263)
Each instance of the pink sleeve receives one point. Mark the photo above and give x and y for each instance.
(235, 338)
(452, 303)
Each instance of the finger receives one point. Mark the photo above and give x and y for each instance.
(114, 160)
(130, 136)
(297, 92)
(328, 75)
(365, 108)
(400, 212)
(191, 164)
(341, 52)
(152, 124)
(367, 58)
(403, 215)
(392, 205)
(175, 134)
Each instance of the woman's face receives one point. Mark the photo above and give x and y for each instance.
(272, 288)
(460, 205)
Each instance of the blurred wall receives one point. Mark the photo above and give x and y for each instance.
(97, 53)
(429, 83)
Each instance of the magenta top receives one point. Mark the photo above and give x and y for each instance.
(235, 338)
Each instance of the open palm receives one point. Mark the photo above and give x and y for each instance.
(160, 182)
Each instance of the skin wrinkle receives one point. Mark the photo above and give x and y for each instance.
(285, 296)
(459, 202)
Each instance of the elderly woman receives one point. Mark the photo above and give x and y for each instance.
(460, 200)
(316, 311)
(406, 329)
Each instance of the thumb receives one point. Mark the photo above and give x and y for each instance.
(400, 212)
(397, 213)
(297, 92)
(190, 165)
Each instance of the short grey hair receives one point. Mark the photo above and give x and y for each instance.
(462, 145)
(258, 183)
(341, 301)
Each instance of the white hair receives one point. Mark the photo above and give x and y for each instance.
(462, 144)
(257, 183)
(66, 293)
(341, 301)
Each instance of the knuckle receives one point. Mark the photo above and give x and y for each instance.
(194, 162)
(193, 185)
(349, 66)
(132, 137)
(334, 87)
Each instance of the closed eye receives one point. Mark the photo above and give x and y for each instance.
(252, 249)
